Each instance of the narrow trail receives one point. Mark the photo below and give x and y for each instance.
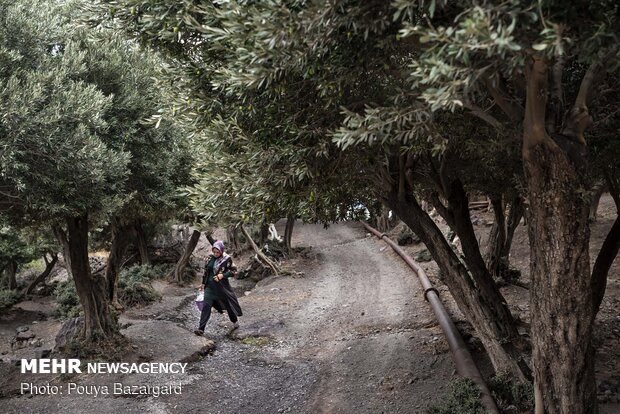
(353, 335)
(377, 346)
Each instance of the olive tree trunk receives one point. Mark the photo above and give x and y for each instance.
(49, 266)
(233, 239)
(120, 239)
(11, 270)
(383, 220)
(91, 288)
(288, 232)
(61, 238)
(561, 294)
(264, 233)
(143, 246)
(501, 235)
(179, 269)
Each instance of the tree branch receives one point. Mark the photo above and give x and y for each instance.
(604, 260)
(592, 78)
(482, 114)
(579, 118)
(261, 256)
(443, 211)
(557, 97)
(534, 132)
(402, 188)
(514, 112)
(614, 187)
(434, 174)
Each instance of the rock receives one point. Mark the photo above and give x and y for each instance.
(165, 341)
(69, 330)
(23, 336)
(22, 328)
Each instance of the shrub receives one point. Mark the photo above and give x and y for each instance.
(9, 298)
(143, 273)
(463, 398)
(508, 393)
(134, 285)
(423, 256)
(67, 301)
(407, 236)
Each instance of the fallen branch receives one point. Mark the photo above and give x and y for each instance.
(261, 256)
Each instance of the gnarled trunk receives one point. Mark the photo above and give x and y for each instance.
(179, 269)
(117, 251)
(11, 270)
(288, 232)
(233, 244)
(383, 220)
(91, 288)
(49, 265)
(143, 246)
(497, 238)
(514, 218)
(264, 233)
(61, 238)
(501, 235)
(561, 292)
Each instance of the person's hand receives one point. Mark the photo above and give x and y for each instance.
(218, 277)
(201, 288)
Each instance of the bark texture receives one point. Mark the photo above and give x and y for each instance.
(91, 288)
(561, 287)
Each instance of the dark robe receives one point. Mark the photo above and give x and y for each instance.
(221, 292)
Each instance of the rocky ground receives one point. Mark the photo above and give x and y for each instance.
(344, 331)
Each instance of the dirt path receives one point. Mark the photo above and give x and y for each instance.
(372, 336)
(342, 341)
(347, 332)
